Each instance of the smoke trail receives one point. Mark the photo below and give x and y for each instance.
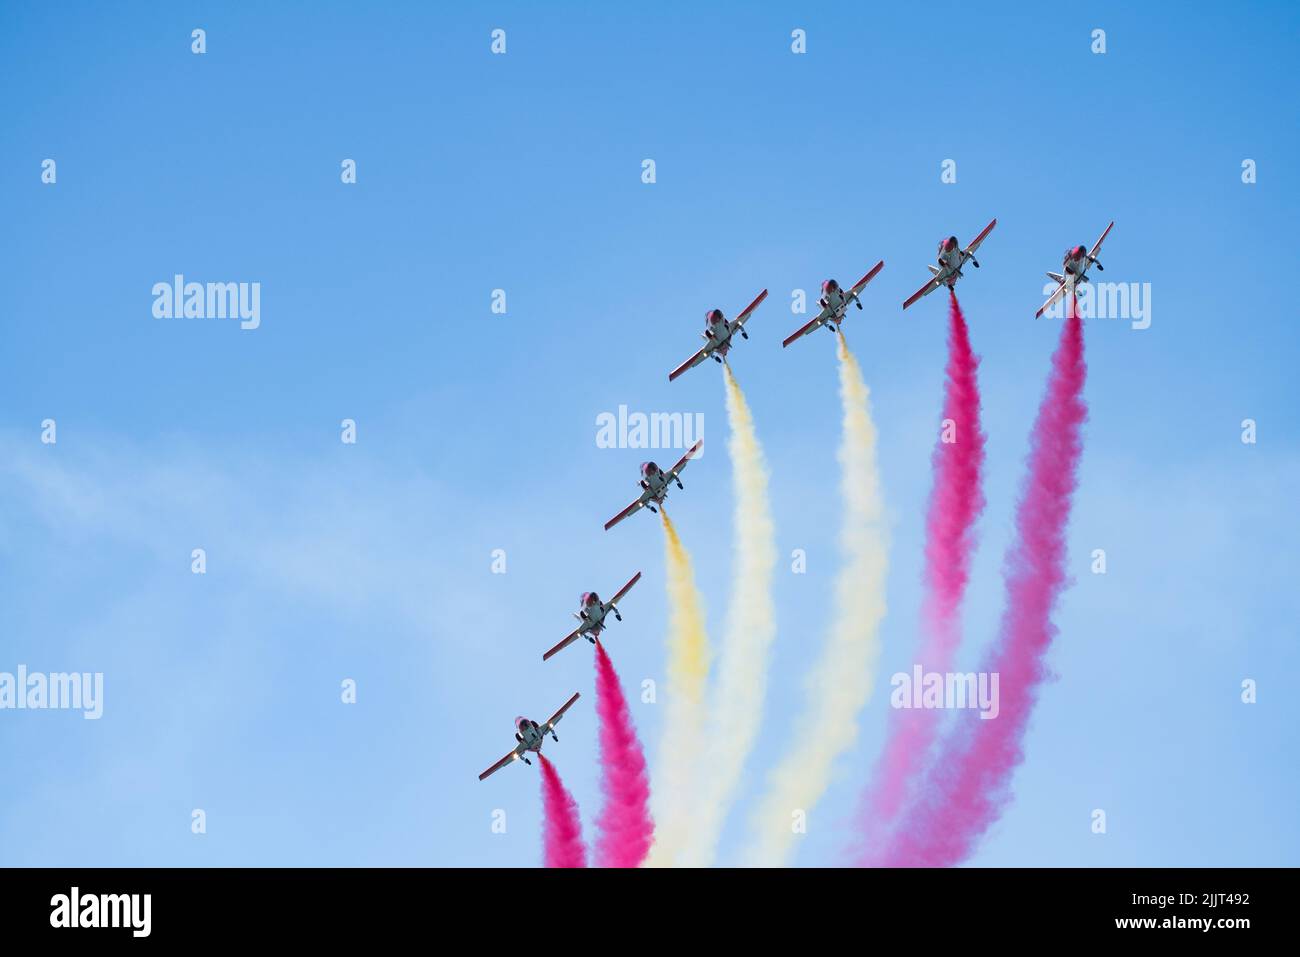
(843, 677)
(955, 502)
(751, 628)
(969, 784)
(624, 824)
(561, 828)
(688, 671)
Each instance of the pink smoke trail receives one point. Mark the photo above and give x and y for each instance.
(561, 828)
(624, 824)
(955, 502)
(969, 783)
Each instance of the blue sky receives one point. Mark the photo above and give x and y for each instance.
(476, 431)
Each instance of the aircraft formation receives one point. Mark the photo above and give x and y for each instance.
(719, 333)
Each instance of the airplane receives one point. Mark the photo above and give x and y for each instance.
(592, 615)
(654, 485)
(835, 303)
(530, 735)
(951, 259)
(1076, 263)
(717, 336)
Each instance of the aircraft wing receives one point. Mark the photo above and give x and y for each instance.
(568, 640)
(748, 311)
(975, 243)
(867, 278)
(625, 589)
(1057, 294)
(638, 504)
(1092, 253)
(812, 324)
(925, 290)
(554, 719)
(508, 759)
(681, 463)
(690, 363)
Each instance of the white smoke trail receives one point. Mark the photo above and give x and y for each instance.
(747, 645)
(842, 679)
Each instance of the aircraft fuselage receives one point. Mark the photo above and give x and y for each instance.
(529, 733)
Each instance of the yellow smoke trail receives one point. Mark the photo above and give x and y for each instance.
(842, 679)
(746, 647)
(688, 673)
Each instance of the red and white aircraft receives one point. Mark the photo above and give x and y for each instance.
(717, 336)
(1076, 263)
(835, 303)
(529, 736)
(591, 614)
(654, 485)
(951, 259)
